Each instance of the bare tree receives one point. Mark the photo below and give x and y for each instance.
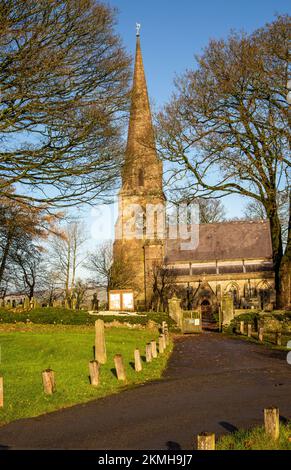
(80, 290)
(51, 286)
(163, 280)
(66, 256)
(100, 263)
(114, 273)
(64, 90)
(211, 210)
(255, 210)
(20, 226)
(226, 129)
(28, 269)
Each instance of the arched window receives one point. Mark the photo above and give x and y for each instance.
(233, 289)
(140, 177)
(264, 292)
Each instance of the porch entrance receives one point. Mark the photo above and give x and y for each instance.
(208, 320)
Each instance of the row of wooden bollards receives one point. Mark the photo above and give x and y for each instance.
(278, 334)
(151, 352)
(48, 376)
(206, 440)
(101, 358)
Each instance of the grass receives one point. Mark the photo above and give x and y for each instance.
(26, 350)
(256, 439)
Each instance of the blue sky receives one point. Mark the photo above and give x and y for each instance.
(172, 32)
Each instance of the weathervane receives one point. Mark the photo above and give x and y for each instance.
(137, 28)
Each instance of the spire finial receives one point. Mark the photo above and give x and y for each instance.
(137, 25)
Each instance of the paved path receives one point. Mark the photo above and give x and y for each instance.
(212, 383)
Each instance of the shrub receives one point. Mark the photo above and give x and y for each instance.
(53, 315)
(249, 317)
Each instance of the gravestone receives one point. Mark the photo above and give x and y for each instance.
(175, 310)
(100, 345)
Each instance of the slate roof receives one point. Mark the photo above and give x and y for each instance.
(225, 241)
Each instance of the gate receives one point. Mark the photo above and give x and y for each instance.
(208, 320)
(191, 322)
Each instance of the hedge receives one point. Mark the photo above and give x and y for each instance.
(52, 315)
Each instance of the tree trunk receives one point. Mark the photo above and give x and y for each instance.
(31, 291)
(276, 239)
(285, 269)
(5, 255)
(68, 267)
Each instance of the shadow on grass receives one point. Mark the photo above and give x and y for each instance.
(113, 370)
(171, 445)
(283, 420)
(228, 426)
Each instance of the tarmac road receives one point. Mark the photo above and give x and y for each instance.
(212, 383)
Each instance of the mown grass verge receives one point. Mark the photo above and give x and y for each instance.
(27, 349)
(256, 439)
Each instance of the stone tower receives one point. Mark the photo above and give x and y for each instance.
(141, 219)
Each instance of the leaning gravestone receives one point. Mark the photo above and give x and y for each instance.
(175, 310)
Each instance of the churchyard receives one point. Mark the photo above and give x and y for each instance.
(28, 349)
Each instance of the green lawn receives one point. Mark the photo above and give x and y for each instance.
(28, 349)
(256, 439)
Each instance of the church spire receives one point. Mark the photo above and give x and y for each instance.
(140, 151)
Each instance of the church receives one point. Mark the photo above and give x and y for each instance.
(230, 258)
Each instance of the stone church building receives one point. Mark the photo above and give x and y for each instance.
(231, 258)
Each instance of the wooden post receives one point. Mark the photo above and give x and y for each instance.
(278, 338)
(48, 380)
(249, 330)
(149, 352)
(206, 441)
(242, 327)
(164, 341)
(100, 346)
(94, 368)
(137, 361)
(1, 392)
(166, 333)
(161, 344)
(154, 349)
(261, 334)
(271, 419)
(164, 324)
(120, 372)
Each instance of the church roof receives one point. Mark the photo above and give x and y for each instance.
(225, 241)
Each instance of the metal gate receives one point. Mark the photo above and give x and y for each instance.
(191, 322)
(208, 320)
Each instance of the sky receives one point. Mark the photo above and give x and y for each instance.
(172, 33)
